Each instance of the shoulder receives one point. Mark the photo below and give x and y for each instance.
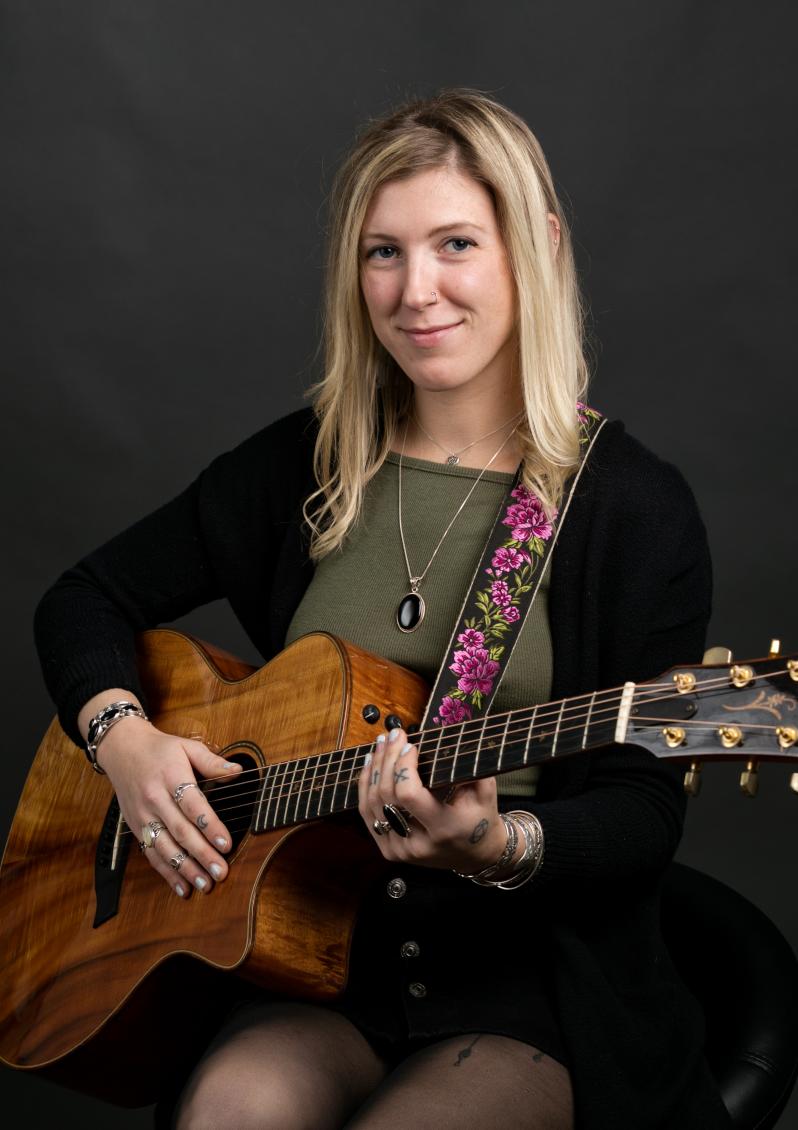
(625, 475)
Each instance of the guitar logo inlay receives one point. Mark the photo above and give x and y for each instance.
(767, 702)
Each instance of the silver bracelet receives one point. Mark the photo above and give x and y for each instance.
(102, 722)
(483, 878)
(532, 857)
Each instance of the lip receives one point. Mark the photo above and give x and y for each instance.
(428, 336)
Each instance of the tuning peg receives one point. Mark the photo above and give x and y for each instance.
(717, 655)
(775, 649)
(692, 779)
(749, 779)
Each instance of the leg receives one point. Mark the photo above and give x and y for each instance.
(472, 1082)
(281, 1067)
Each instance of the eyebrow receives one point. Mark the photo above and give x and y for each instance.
(435, 231)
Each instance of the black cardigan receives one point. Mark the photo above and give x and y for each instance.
(630, 596)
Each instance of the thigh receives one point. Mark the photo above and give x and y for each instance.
(469, 1083)
(280, 1065)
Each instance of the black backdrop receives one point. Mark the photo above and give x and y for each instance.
(164, 171)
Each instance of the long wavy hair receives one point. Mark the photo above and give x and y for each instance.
(364, 394)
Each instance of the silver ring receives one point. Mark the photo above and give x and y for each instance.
(178, 860)
(178, 793)
(381, 827)
(150, 833)
(397, 818)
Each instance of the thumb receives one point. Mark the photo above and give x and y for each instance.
(209, 764)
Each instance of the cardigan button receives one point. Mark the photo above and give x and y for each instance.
(417, 990)
(410, 949)
(397, 888)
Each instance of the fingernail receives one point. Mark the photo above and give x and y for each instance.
(367, 759)
(200, 883)
(215, 870)
(179, 891)
(231, 767)
(380, 739)
(404, 749)
(220, 841)
(392, 735)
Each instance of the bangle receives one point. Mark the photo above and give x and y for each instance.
(101, 723)
(532, 857)
(485, 877)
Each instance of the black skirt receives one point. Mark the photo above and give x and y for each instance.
(435, 955)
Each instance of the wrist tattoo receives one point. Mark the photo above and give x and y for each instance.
(478, 832)
(400, 775)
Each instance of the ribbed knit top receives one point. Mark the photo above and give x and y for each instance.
(355, 592)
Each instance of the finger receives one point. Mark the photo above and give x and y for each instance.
(195, 808)
(209, 764)
(190, 838)
(185, 873)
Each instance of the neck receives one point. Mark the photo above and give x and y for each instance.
(472, 424)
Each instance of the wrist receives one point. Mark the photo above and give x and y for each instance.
(106, 719)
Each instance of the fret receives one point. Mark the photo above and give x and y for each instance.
(503, 741)
(479, 745)
(457, 750)
(300, 791)
(353, 773)
(287, 791)
(529, 733)
(262, 814)
(589, 716)
(441, 732)
(315, 759)
(339, 756)
(269, 816)
(324, 760)
(557, 728)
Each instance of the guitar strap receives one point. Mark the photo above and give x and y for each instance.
(503, 589)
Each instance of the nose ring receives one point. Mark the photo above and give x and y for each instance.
(434, 297)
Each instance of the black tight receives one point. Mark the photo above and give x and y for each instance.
(299, 1067)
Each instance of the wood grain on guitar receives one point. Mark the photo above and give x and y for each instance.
(77, 981)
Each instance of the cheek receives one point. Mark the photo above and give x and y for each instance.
(379, 292)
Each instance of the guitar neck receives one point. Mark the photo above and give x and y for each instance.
(310, 787)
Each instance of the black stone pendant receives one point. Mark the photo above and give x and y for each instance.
(410, 612)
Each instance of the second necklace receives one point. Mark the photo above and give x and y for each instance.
(412, 608)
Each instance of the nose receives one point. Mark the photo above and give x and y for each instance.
(421, 285)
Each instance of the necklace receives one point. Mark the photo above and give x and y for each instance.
(411, 609)
(453, 457)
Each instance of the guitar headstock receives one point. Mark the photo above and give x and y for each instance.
(721, 711)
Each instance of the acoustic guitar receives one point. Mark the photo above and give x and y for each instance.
(107, 976)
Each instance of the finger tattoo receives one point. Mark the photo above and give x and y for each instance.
(202, 821)
(400, 775)
(478, 832)
(375, 776)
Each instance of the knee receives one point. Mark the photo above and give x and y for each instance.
(213, 1103)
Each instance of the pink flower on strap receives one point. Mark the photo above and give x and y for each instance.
(476, 670)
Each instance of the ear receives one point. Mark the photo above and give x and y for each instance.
(554, 231)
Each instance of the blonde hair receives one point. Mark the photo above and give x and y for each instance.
(364, 394)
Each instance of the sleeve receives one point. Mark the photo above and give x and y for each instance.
(620, 817)
(212, 541)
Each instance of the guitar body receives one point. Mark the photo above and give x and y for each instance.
(105, 1008)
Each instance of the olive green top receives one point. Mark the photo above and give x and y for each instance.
(356, 591)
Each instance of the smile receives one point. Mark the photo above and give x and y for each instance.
(426, 338)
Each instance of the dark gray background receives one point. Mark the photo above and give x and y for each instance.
(164, 171)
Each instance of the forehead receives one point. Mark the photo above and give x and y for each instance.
(427, 199)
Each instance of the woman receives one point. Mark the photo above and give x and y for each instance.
(454, 355)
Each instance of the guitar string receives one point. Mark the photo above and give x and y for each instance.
(443, 761)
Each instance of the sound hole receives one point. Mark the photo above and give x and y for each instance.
(234, 801)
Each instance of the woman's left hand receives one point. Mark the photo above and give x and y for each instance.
(465, 833)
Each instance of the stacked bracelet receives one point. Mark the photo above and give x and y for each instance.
(529, 862)
(101, 723)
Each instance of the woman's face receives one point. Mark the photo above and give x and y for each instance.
(437, 282)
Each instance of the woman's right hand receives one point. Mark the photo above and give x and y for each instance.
(145, 767)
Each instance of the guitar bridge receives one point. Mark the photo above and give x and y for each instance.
(109, 864)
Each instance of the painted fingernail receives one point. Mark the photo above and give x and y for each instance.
(380, 739)
(179, 891)
(215, 870)
(367, 759)
(220, 841)
(200, 883)
(232, 767)
(404, 749)
(393, 734)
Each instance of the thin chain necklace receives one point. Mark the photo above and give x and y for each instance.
(453, 457)
(412, 609)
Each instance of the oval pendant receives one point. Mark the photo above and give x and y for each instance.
(410, 612)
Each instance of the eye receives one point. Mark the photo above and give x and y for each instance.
(385, 251)
(459, 243)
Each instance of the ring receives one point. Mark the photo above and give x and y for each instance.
(150, 833)
(178, 860)
(381, 827)
(178, 793)
(397, 818)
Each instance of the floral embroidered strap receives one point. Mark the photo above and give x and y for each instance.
(494, 610)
